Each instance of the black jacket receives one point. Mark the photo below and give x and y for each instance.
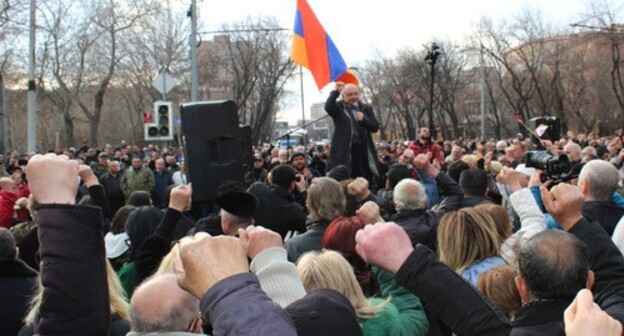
(73, 272)
(461, 307)
(341, 141)
(277, 209)
(422, 225)
(155, 247)
(17, 285)
(605, 213)
(112, 189)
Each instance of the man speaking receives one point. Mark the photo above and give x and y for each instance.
(352, 144)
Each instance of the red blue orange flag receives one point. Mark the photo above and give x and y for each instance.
(540, 130)
(313, 49)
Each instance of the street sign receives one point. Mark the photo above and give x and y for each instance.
(164, 83)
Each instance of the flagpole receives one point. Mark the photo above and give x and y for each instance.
(302, 97)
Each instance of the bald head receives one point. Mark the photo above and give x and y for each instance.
(598, 180)
(159, 304)
(350, 94)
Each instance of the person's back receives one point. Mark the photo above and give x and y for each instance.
(410, 202)
(598, 181)
(325, 202)
(474, 183)
(17, 285)
(277, 209)
(396, 312)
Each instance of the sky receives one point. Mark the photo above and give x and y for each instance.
(360, 28)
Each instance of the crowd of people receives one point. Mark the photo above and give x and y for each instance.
(434, 238)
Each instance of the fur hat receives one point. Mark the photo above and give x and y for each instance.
(238, 203)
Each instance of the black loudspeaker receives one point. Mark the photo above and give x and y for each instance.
(552, 133)
(212, 140)
(246, 152)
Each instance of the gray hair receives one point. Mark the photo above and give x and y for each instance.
(326, 199)
(237, 221)
(573, 148)
(602, 178)
(409, 195)
(589, 150)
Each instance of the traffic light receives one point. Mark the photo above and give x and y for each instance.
(160, 125)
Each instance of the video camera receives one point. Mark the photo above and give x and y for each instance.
(555, 168)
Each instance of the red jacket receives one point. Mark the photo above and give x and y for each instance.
(432, 147)
(21, 190)
(7, 201)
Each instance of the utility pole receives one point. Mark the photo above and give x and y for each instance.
(302, 99)
(2, 112)
(482, 88)
(32, 86)
(193, 42)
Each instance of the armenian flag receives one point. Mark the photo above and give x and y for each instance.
(540, 130)
(313, 49)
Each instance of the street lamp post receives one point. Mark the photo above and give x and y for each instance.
(482, 89)
(431, 59)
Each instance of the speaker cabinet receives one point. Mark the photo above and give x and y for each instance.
(213, 146)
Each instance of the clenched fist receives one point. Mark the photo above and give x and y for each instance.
(52, 178)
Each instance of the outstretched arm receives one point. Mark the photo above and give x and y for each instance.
(73, 271)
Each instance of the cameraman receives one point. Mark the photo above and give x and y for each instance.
(598, 181)
(278, 207)
(573, 151)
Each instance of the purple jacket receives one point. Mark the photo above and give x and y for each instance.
(238, 306)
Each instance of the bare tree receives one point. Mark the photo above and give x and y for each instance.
(163, 48)
(85, 39)
(253, 66)
(605, 17)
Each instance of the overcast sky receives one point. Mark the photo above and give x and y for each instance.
(358, 28)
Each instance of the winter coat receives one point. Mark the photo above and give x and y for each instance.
(431, 147)
(73, 272)
(237, 306)
(112, 190)
(474, 270)
(7, 202)
(340, 153)
(309, 241)
(421, 225)
(277, 209)
(162, 180)
(133, 180)
(461, 307)
(403, 315)
(17, 285)
(156, 247)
